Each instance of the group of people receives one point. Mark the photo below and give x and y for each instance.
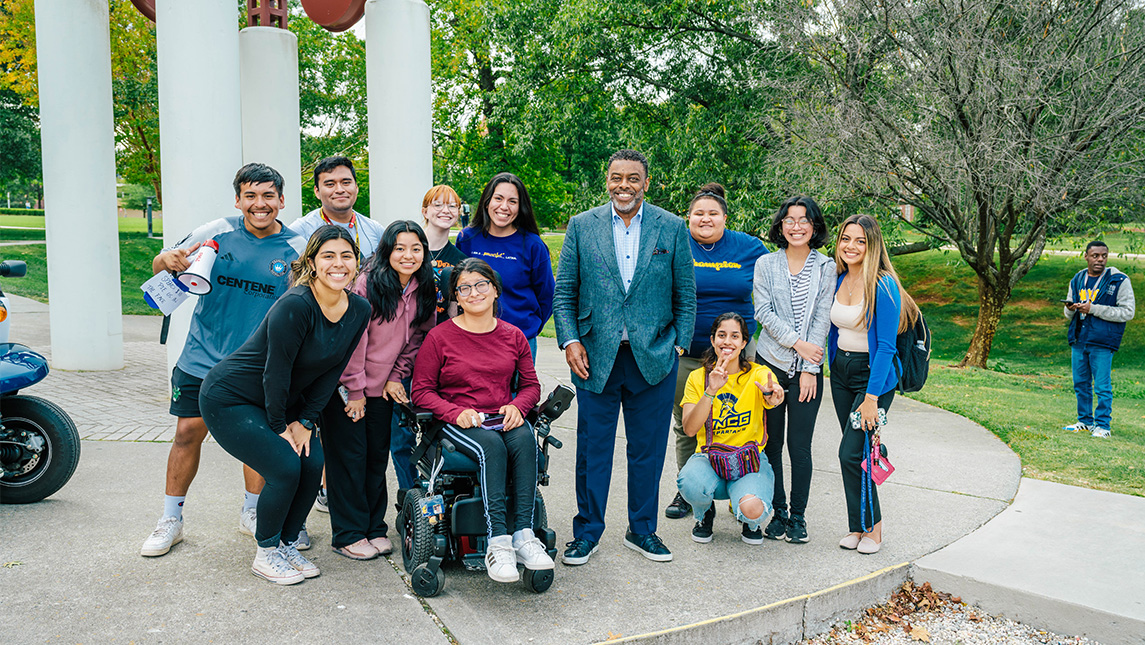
(295, 362)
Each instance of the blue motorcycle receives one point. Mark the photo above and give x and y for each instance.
(39, 443)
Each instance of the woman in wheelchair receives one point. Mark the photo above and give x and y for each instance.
(464, 374)
(726, 397)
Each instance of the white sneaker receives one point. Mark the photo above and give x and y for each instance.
(322, 502)
(269, 563)
(1103, 433)
(168, 532)
(248, 521)
(1077, 427)
(303, 541)
(501, 559)
(298, 561)
(532, 554)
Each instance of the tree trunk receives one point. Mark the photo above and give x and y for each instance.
(992, 298)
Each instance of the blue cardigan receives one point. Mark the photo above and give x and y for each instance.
(881, 336)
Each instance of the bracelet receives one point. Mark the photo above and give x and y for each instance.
(710, 396)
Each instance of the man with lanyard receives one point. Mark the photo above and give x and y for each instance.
(336, 187)
(251, 271)
(1098, 304)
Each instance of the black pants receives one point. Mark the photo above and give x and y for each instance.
(849, 375)
(292, 480)
(357, 455)
(501, 455)
(796, 420)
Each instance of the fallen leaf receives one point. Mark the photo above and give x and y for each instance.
(956, 599)
(919, 633)
(612, 637)
(894, 618)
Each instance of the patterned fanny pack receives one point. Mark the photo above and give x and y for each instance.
(731, 462)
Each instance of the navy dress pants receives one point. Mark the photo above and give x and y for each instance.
(647, 411)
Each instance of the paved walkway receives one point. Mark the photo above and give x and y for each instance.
(75, 572)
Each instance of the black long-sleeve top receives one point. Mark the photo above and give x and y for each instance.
(291, 364)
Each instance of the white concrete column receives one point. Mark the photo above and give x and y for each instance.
(272, 134)
(400, 109)
(73, 48)
(200, 122)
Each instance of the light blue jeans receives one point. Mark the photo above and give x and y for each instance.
(1092, 369)
(699, 484)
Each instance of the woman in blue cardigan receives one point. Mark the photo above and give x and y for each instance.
(869, 310)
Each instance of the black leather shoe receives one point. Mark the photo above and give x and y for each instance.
(648, 546)
(578, 551)
(777, 527)
(678, 508)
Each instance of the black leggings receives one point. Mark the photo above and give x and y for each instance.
(849, 374)
(798, 420)
(500, 455)
(292, 480)
(357, 455)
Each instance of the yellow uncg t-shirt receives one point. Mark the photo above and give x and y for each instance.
(737, 411)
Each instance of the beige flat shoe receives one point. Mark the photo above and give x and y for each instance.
(360, 550)
(868, 546)
(382, 544)
(850, 541)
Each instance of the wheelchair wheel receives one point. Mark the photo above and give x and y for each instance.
(542, 519)
(426, 583)
(538, 581)
(416, 533)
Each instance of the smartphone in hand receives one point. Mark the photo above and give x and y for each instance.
(493, 422)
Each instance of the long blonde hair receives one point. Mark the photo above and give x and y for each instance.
(876, 264)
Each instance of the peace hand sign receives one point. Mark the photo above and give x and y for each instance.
(771, 390)
(718, 377)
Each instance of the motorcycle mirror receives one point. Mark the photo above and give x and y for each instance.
(13, 269)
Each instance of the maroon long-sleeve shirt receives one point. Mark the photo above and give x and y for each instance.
(457, 370)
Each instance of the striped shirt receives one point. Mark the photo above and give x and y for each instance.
(800, 285)
(626, 240)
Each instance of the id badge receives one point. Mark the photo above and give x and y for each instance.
(433, 508)
(883, 469)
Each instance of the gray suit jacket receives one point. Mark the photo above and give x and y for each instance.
(591, 306)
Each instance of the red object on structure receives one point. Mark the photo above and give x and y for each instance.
(335, 15)
(145, 7)
(266, 13)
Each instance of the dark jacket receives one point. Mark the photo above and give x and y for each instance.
(1113, 306)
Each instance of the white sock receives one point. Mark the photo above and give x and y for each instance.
(173, 505)
(501, 540)
(521, 537)
(250, 500)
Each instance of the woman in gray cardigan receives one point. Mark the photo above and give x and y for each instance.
(792, 291)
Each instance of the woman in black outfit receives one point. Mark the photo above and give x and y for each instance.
(261, 402)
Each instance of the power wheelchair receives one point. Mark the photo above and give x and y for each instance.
(452, 528)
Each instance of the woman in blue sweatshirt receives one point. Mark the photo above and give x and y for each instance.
(504, 233)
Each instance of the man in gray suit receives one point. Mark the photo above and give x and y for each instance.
(624, 307)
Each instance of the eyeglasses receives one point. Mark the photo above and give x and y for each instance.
(444, 207)
(481, 287)
(790, 222)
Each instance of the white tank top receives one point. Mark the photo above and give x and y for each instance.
(852, 326)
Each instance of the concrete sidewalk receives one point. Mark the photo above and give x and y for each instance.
(80, 576)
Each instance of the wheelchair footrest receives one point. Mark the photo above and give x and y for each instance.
(473, 561)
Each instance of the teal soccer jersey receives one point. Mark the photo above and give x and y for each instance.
(248, 276)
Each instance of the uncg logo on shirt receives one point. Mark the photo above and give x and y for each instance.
(278, 267)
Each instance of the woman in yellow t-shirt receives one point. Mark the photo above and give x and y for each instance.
(733, 392)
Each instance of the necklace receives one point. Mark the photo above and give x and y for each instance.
(709, 249)
(851, 288)
(433, 255)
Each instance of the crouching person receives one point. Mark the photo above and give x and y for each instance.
(723, 408)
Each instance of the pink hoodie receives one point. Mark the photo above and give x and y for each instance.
(387, 349)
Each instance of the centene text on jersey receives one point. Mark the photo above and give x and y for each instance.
(248, 286)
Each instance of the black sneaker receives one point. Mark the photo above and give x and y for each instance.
(578, 551)
(777, 527)
(797, 530)
(678, 508)
(702, 531)
(750, 536)
(648, 546)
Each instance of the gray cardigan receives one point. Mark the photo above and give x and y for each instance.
(771, 292)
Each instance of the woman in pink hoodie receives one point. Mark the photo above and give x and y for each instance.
(399, 284)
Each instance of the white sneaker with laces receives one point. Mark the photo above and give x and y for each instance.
(501, 559)
(248, 521)
(298, 561)
(168, 532)
(1102, 433)
(269, 563)
(532, 554)
(1077, 427)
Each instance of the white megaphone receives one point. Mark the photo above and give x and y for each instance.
(197, 278)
